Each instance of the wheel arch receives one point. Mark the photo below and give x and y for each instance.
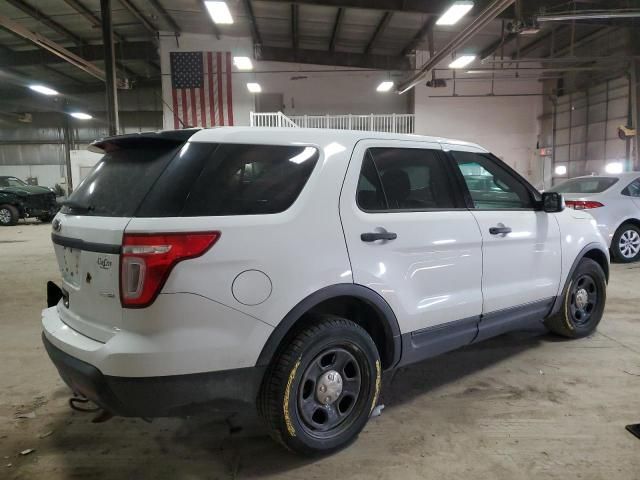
(592, 251)
(352, 301)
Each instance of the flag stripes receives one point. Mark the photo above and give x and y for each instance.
(202, 91)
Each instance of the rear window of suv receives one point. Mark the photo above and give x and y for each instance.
(585, 185)
(198, 179)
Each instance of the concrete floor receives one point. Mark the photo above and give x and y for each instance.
(517, 407)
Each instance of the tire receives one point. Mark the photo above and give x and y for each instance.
(625, 246)
(9, 215)
(583, 301)
(291, 396)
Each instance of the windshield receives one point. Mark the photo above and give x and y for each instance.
(585, 185)
(11, 182)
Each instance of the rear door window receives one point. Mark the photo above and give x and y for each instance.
(403, 179)
(239, 179)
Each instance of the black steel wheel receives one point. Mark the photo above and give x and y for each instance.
(583, 302)
(318, 394)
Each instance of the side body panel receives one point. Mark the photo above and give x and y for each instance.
(431, 273)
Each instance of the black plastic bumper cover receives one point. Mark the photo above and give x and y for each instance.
(176, 395)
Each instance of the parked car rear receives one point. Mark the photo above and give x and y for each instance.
(614, 201)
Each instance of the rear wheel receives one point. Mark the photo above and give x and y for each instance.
(625, 245)
(583, 302)
(9, 215)
(321, 389)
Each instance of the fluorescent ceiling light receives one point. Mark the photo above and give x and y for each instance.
(385, 87)
(81, 116)
(219, 12)
(44, 90)
(561, 170)
(254, 87)
(243, 63)
(614, 167)
(454, 13)
(462, 61)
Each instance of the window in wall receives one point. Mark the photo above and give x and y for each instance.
(491, 186)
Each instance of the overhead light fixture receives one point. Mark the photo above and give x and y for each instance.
(614, 167)
(254, 87)
(219, 12)
(81, 115)
(454, 13)
(43, 90)
(243, 63)
(385, 86)
(561, 170)
(462, 61)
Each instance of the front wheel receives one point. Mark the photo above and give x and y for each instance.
(583, 302)
(625, 245)
(322, 387)
(9, 215)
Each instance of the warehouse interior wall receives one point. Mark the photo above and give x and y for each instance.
(505, 122)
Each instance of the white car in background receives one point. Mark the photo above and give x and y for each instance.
(614, 201)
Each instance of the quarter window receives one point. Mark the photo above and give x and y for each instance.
(403, 179)
(491, 186)
(633, 189)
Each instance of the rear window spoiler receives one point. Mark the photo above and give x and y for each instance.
(138, 140)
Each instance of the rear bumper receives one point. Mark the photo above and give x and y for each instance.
(175, 395)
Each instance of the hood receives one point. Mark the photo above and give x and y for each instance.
(26, 190)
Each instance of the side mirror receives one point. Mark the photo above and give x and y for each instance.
(552, 202)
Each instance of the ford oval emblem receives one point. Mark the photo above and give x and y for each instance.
(56, 225)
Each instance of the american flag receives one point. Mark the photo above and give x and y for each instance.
(201, 89)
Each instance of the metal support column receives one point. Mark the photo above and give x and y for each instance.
(66, 132)
(110, 68)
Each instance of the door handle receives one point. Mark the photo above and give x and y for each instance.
(499, 230)
(373, 236)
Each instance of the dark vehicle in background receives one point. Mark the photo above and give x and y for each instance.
(20, 200)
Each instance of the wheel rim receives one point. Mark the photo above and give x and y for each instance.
(584, 299)
(329, 392)
(5, 215)
(629, 244)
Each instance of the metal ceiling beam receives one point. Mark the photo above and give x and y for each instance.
(52, 47)
(419, 36)
(166, 15)
(382, 25)
(294, 26)
(484, 18)
(61, 74)
(91, 53)
(89, 16)
(336, 29)
(322, 57)
(538, 42)
(139, 16)
(253, 23)
(495, 46)
(40, 16)
(589, 37)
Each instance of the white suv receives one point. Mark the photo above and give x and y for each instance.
(289, 267)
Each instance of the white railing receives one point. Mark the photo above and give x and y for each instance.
(271, 119)
(393, 122)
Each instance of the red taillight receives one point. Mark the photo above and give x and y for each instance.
(582, 204)
(147, 261)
